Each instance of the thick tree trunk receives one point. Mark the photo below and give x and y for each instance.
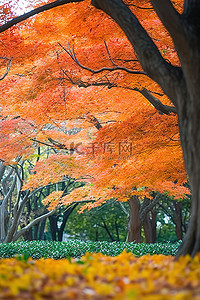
(189, 125)
(134, 225)
(191, 243)
(180, 84)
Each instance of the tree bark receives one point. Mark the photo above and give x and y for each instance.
(178, 220)
(53, 227)
(148, 229)
(42, 228)
(33, 12)
(66, 215)
(180, 84)
(154, 224)
(134, 224)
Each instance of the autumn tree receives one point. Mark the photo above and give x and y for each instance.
(13, 201)
(179, 82)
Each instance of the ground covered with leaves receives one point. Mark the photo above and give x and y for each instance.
(100, 277)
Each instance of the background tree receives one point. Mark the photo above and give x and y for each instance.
(105, 223)
(175, 81)
(13, 201)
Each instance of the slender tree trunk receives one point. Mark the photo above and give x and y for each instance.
(3, 220)
(36, 227)
(107, 230)
(178, 220)
(41, 230)
(134, 224)
(148, 229)
(96, 235)
(53, 227)
(66, 215)
(117, 230)
(28, 235)
(154, 224)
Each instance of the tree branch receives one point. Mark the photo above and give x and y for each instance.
(34, 222)
(148, 54)
(72, 54)
(16, 218)
(33, 12)
(148, 207)
(162, 108)
(165, 109)
(7, 68)
(164, 9)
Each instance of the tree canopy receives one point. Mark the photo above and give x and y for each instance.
(69, 71)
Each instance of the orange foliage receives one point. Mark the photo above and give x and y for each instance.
(51, 95)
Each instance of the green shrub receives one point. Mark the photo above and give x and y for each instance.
(77, 248)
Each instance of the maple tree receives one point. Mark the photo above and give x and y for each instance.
(65, 96)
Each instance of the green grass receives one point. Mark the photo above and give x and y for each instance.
(77, 248)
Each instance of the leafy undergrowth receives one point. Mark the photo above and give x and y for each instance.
(100, 277)
(77, 248)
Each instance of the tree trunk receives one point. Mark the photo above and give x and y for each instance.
(3, 221)
(117, 230)
(134, 224)
(107, 230)
(178, 220)
(148, 229)
(191, 243)
(53, 227)
(180, 84)
(189, 120)
(28, 235)
(154, 224)
(66, 215)
(35, 228)
(42, 228)
(189, 125)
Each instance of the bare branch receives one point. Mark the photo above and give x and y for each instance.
(140, 7)
(72, 54)
(7, 68)
(161, 71)
(33, 12)
(80, 83)
(34, 222)
(162, 108)
(165, 109)
(109, 54)
(94, 121)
